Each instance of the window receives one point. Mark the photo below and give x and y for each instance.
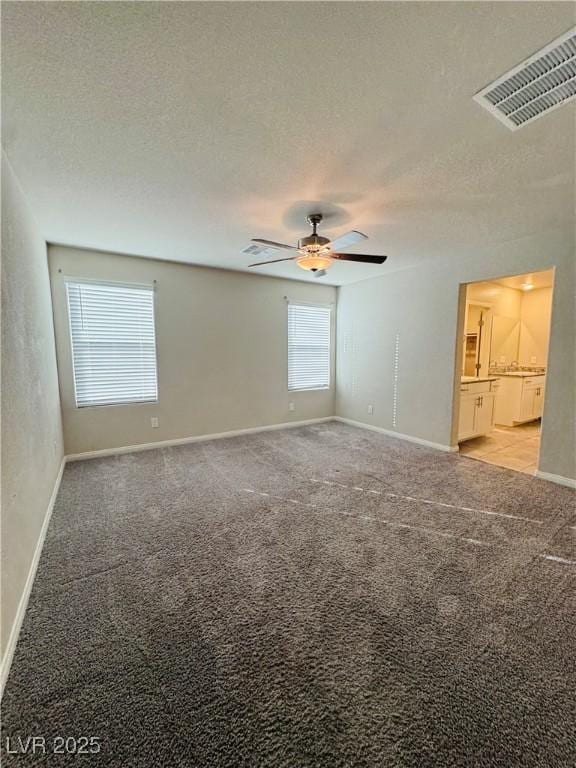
(113, 343)
(308, 347)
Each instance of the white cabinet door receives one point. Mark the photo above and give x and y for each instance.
(467, 418)
(538, 402)
(507, 408)
(485, 414)
(527, 403)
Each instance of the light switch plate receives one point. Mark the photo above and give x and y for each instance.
(154, 422)
(291, 407)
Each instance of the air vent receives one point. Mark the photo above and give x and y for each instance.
(259, 250)
(535, 87)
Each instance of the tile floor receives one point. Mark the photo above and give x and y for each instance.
(511, 447)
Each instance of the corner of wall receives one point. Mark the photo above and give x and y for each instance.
(32, 439)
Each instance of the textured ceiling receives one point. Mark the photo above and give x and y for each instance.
(181, 130)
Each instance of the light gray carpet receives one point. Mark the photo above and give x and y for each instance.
(278, 600)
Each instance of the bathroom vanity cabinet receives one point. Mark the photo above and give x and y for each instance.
(477, 407)
(520, 398)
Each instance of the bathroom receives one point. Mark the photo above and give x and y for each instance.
(505, 334)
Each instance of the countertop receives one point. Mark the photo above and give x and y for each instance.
(520, 373)
(474, 379)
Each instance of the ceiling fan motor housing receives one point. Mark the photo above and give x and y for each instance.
(312, 242)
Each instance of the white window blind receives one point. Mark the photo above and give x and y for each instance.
(113, 343)
(308, 347)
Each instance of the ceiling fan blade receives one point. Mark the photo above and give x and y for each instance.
(362, 258)
(274, 261)
(320, 273)
(273, 244)
(348, 238)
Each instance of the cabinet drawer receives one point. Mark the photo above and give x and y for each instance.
(475, 387)
(531, 382)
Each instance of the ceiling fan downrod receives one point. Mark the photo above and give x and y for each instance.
(314, 242)
(314, 219)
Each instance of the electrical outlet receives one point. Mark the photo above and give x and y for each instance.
(291, 407)
(154, 422)
(533, 359)
(370, 409)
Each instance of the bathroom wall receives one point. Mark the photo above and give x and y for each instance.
(520, 322)
(535, 326)
(505, 302)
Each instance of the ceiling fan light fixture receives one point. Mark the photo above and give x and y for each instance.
(313, 261)
(314, 253)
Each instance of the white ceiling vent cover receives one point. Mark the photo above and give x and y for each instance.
(259, 250)
(535, 87)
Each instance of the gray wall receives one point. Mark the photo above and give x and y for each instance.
(32, 449)
(221, 346)
(421, 306)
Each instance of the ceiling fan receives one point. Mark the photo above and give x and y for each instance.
(314, 253)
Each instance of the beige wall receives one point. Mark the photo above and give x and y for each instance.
(535, 326)
(505, 302)
(32, 448)
(520, 321)
(221, 346)
(421, 307)
(503, 335)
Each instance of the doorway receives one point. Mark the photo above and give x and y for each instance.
(504, 330)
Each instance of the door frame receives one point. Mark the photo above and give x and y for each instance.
(489, 323)
(459, 351)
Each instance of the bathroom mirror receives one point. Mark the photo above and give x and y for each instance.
(505, 339)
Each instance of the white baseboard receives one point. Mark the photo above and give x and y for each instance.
(556, 479)
(399, 435)
(22, 605)
(195, 439)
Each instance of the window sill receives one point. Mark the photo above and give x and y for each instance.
(115, 405)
